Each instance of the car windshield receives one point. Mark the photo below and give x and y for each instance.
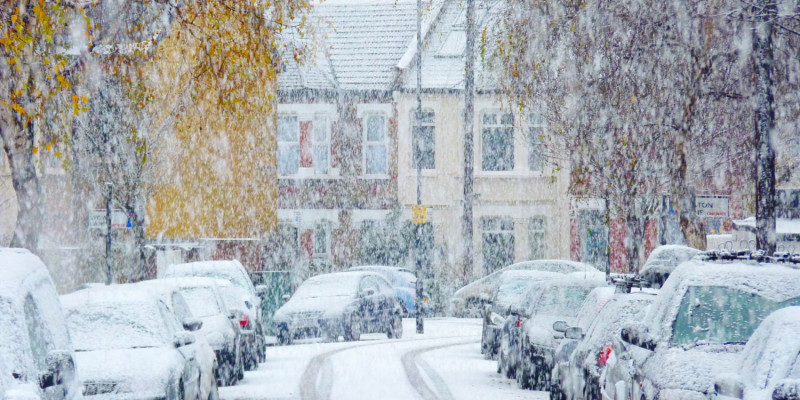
(331, 287)
(121, 326)
(510, 292)
(230, 297)
(202, 301)
(404, 278)
(233, 276)
(720, 315)
(563, 301)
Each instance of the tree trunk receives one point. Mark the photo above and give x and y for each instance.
(18, 141)
(765, 117)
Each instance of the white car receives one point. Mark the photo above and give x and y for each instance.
(128, 345)
(207, 360)
(233, 271)
(770, 364)
(697, 327)
(36, 355)
(220, 328)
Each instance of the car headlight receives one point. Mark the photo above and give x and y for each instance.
(681, 394)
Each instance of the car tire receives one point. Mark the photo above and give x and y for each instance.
(395, 330)
(251, 360)
(541, 375)
(353, 331)
(213, 391)
(523, 376)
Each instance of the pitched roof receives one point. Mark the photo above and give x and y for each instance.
(443, 60)
(362, 42)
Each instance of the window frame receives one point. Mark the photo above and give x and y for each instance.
(323, 143)
(431, 125)
(533, 232)
(535, 121)
(496, 127)
(325, 227)
(366, 143)
(280, 142)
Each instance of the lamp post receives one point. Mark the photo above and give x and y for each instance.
(108, 232)
(416, 156)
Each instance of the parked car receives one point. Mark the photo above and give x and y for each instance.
(662, 261)
(129, 345)
(36, 354)
(564, 302)
(470, 300)
(577, 371)
(233, 271)
(770, 362)
(696, 328)
(404, 283)
(171, 296)
(513, 286)
(248, 337)
(220, 326)
(342, 303)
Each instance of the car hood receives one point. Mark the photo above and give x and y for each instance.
(691, 369)
(142, 370)
(328, 306)
(539, 330)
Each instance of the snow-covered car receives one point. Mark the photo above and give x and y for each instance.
(563, 303)
(220, 326)
(662, 261)
(129, 345)
(513, 286)
(36, 355)
(342, 303)
(249, 339)
(235, 272)
(581, 358)
(770, 363)
(207, 360)
(470, 300)
(404, 283)
(697, 327)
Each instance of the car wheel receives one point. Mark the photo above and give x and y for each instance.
(251, 360)
(396, 327)
(523, 376)
(556, 393)
(213, 391)
(353, 331)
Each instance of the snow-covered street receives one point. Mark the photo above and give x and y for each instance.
(443, 363)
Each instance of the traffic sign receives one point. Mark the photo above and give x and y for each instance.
(419, 214)
(119, 219)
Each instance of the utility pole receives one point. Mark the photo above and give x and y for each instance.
(108, 232)
(416, 155)
(469, 111)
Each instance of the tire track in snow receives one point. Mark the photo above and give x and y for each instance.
(317, 379)
(414, 366)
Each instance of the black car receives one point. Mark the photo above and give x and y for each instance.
(343, 304)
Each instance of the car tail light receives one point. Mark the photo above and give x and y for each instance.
(244, 321)
(605, 353)
(519, 322)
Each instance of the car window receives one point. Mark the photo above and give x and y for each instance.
(368, 283)
(560, 301)
(383, 286)
(39, 337)
(180, 308)
(202, 301)
(718, 314)
(170, 320)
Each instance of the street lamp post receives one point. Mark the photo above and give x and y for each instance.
(108, 232)
(416, 156)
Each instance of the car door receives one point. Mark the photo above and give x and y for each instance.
(191, 367)
(369, 302)
(386, 299)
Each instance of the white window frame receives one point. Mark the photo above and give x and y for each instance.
(384, 142)
(323, 143)
(325, 227)
(497, 125)
(537, 127)
(533, 231)
(295, 143)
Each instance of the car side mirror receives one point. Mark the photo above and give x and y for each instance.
(286, 297)
(181, 339)
(638, 335)
(560, 326)
(192, 324)
(60, 369)
(261, 290)
(787, 389)
(729, 385)
(574, 333)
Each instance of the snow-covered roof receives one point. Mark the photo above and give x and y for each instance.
(443, 61)
(361, 43)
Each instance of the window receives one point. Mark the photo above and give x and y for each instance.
(39, 338)
(454, 44)
(288, 145)
(321, 239)
(497, 142)
(375, 152)
(425, 154)
(536, 237)
(322, 145)
(498, 243)
(536, 127)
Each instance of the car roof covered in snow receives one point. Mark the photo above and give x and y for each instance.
(189, 281)
(107, 295)
(775, 282)
(664, 259)
(772, 349)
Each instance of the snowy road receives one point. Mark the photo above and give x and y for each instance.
(443, 364)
